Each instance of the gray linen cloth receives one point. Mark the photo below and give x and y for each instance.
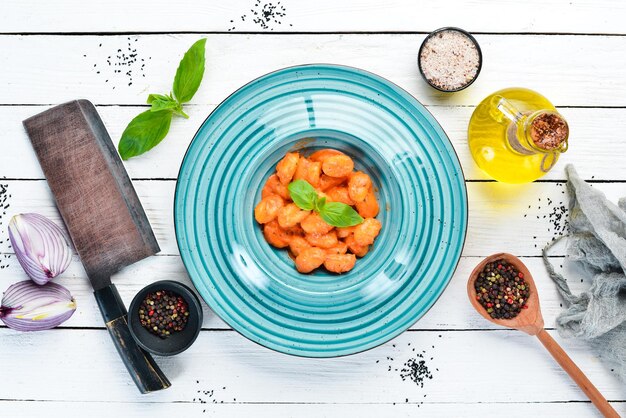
(597, 240)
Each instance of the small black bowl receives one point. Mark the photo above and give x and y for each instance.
(452, 29)
(177, 342)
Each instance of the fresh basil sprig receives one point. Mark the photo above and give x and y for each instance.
(149, 128)
(333, 213)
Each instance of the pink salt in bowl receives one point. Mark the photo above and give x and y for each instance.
(450, 59)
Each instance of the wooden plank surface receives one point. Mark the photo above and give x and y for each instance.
(240, 410)
(496, 213)
(451, 312)
(595, 132)
(51, 52)
(571, 70)
(552, 16)
(240, 371)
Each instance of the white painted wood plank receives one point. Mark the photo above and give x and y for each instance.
(451, 312)
(570, 70)
(81, 365)
(588, 125)
(603, 16)
(156, 197)
(515, 218)
(239, 410)
(63, 364)
(497, 223)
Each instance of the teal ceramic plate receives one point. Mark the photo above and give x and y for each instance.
(254, 287)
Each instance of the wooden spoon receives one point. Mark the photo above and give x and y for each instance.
(531, 322)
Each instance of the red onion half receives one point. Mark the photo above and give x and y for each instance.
(30, 307)
(40, 246)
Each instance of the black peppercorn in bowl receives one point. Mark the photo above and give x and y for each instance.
(165, 318)
(449, 59)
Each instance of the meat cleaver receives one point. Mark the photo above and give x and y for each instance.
(103, 215)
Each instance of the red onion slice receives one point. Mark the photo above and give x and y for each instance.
(30, 307)
(40, 246)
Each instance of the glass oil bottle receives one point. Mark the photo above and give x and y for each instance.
(516, 135)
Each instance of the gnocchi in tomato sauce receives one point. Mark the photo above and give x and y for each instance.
(311, 242)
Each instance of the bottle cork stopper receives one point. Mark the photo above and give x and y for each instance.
(549, 131)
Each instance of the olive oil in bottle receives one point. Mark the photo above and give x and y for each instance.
(516, 135)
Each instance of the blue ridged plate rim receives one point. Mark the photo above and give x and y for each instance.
(255, 288)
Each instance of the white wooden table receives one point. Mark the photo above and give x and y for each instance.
(574, 52)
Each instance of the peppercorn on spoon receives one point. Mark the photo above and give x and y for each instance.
(530, 321)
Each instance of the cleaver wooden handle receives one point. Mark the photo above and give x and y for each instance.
(141, 366)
